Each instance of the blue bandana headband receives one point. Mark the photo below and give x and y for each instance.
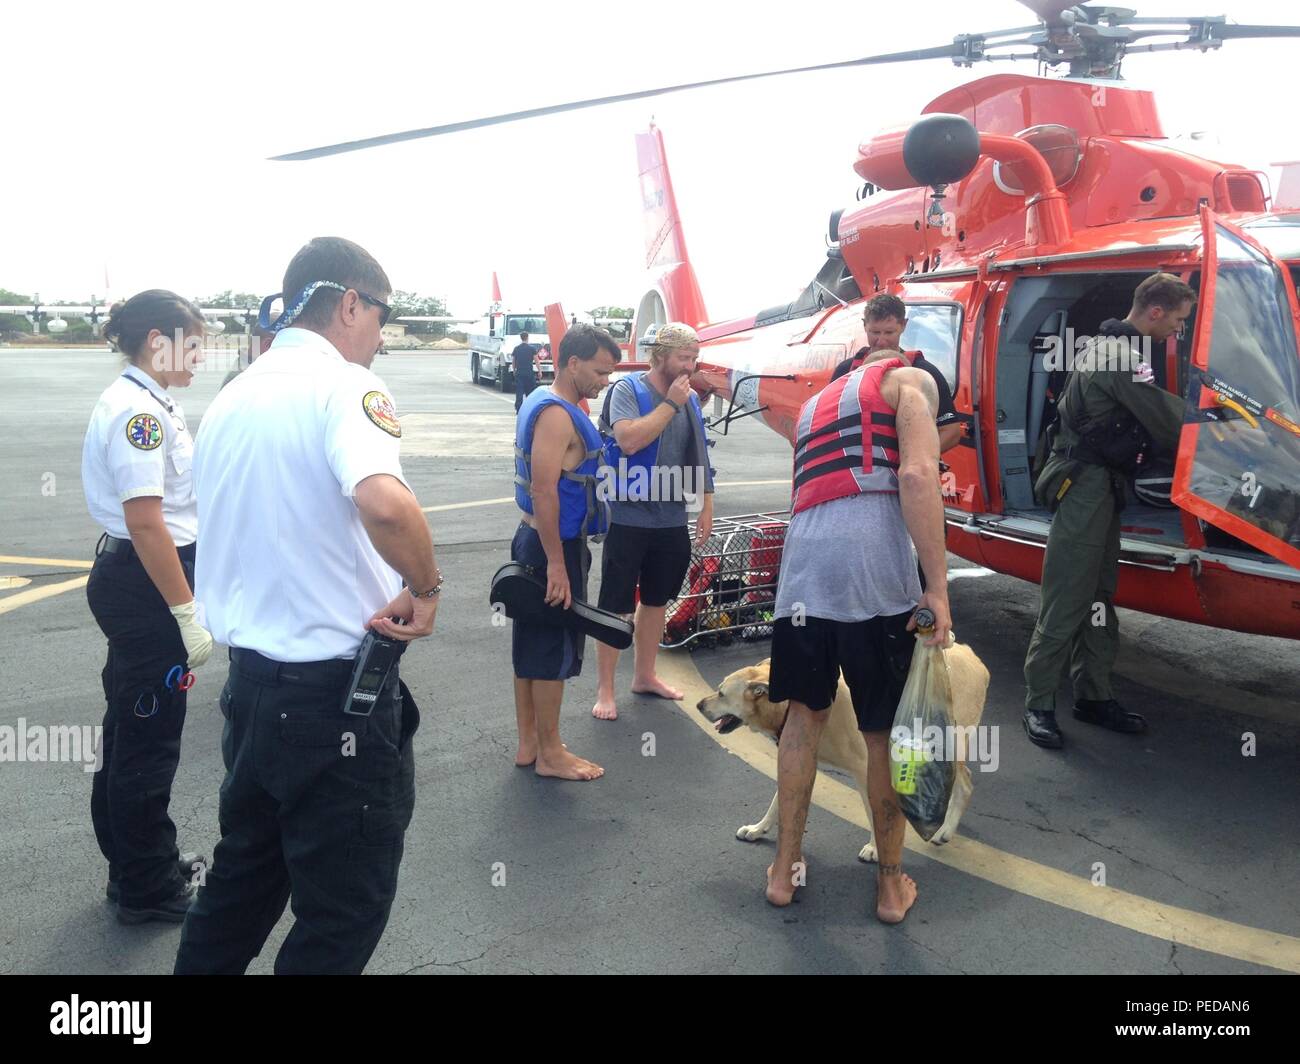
(291, 310)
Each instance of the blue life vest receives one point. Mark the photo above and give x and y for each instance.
(581, 512)
(697, 454)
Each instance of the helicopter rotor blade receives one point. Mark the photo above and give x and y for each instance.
(1232, 32)
(946, 51)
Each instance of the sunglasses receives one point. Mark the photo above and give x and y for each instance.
(385, 311)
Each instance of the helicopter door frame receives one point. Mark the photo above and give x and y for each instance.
(1220, 412)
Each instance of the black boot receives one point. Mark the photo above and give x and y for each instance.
(1109, 714)
(1040, 726)
(184, 865)
(170, 910)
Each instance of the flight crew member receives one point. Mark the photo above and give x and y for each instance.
(885, 318)
(557, 456)
(866, 488)
(653, 426)
(135, 469)
(524, 360)
(310, 530)
(1111, 411)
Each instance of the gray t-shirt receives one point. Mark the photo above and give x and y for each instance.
(673, 445)
(849, 559)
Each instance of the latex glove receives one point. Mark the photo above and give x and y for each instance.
(197, 639)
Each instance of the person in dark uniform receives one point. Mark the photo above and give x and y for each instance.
(309, 531)
(136, 474)
(885, 318)
(524, 359)
(1112, 415)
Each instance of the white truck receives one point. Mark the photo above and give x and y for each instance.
(493, 344)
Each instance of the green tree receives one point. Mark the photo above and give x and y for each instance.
(234, 300)
(411, 303)
(14, 326)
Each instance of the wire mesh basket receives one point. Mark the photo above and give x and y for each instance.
(729, 591)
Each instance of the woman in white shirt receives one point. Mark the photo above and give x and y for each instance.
(136, 475)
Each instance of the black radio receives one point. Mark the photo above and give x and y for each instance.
(374, 661)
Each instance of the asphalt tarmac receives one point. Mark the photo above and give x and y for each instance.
(1170, 852)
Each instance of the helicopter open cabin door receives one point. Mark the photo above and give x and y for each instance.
(1238, 465)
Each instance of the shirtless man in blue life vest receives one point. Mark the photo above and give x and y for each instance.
(557, 455)
(847, 591)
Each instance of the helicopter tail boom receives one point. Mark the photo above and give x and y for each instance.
(675, 295)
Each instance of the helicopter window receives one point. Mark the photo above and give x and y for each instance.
(934, 329)
(1253, 350)
(1281, 240)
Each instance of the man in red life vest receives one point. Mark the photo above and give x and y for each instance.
(866, 488)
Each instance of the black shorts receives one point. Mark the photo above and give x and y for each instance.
(874, 656)
(654, 558)
(543, 651)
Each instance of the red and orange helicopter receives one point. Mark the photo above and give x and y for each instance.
(1014, 216)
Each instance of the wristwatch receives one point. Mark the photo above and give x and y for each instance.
(677, 407)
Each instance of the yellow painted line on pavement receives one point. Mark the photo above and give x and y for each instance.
(10, 583)
(510, 498)
(1168, 922)
(53, 563)
(467, 505)
(25, 598)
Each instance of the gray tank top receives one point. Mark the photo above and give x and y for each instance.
(849, 559)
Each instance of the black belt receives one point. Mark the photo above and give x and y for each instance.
(112, 545)
(334, 673)
(124, 550)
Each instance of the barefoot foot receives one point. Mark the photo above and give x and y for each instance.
(605, 708)
(526, 754)
(655, 686)
(567, 766)
(781, 892)
(895, 895)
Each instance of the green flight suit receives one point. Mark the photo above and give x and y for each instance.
(1076, 617)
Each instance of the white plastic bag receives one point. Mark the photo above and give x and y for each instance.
(921, 749)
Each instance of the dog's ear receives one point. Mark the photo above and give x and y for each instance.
(765, 663)
(756, 691)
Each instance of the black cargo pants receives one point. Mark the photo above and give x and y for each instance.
(314, 808)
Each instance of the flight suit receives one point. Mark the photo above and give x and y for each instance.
(1080, 568)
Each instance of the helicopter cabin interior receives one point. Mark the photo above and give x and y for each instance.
(1044, 314)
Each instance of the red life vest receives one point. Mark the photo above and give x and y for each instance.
(861, 357)
(830, 461)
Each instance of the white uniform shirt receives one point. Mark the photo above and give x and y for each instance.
(285, 567)
(137, 446)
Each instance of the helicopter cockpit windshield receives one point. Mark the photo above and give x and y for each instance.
(1247, 467)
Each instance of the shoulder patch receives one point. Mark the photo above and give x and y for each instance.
(379, 409)
(144, 432)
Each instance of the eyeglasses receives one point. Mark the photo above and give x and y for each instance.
(385, 311)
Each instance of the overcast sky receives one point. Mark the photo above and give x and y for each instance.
(138, 135)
